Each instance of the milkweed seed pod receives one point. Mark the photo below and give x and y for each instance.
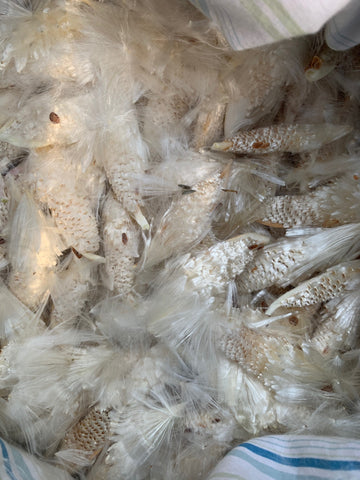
(187, 220)
(74, 220)
(332, 283)
(123, 155)
(119, 146)
(68, 201)
(257, 87)
(291, 259)
(88, 436)
(246, 397)
(327, 206)
(121, 246)
(294, 371)
(289, 211)
(211, 271)
(296, 322)
(40, 370)
(283, 138)
(255, 352)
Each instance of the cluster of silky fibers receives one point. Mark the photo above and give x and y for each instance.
(179, 244)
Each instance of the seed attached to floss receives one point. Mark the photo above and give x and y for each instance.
(322, 64)
(54, 117)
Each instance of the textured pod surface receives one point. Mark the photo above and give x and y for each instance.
(290, 260)
(89, 435)
(121, 245)
(121, 173)
(211, 271)
(120, 147)
(283, 138)
(75, 220)
(256, 352)
(322, 288)
(327, 206)
(67, 199)
(270, 267)
(289, 211)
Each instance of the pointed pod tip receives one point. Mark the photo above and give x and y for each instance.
(141, 220)
(222, 146)
(274, 306)
(257, 238)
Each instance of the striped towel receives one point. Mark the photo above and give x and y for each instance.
(289, 457)
(251, 23)
(16, 464)
(342, 31)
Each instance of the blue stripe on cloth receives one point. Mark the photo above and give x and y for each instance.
(7, 465)
(266, 469)
(305, 448)
(322, 444)
(21, 465)
(286, 439)
(303, 462)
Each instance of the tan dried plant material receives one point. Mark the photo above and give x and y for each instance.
(89, 435)
(282, 138)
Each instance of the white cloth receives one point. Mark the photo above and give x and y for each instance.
(252, 23)
(15, 464)
(290, 457)
(343, 31)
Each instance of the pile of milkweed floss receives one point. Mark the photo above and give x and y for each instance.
(180, 232)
